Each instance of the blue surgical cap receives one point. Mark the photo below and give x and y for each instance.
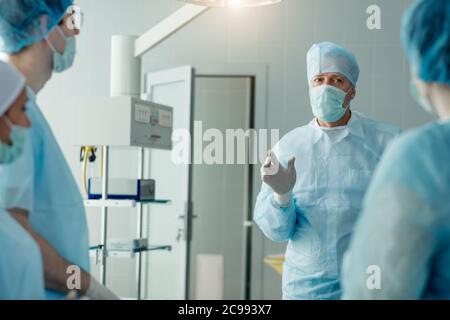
(24, 22)
(426, 38)
(327, 57)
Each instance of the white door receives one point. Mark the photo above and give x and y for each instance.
(219, 247)
(166, 272)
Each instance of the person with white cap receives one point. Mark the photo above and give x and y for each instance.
(14, 120)
(315, 179)
(21, 273)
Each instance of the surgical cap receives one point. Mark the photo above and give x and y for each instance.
(327, 57)
(426, 38)
(22, 23)
(12, 83)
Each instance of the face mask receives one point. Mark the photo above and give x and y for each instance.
(327, 103)
(423, 101)
(18, 136)
(62, 62)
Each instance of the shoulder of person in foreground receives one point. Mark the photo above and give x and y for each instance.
(418, 160)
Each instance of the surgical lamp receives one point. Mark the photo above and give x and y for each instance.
(126, 51)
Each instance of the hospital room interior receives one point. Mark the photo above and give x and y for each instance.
(173, 114)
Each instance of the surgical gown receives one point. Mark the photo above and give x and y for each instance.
(334, 168)
(21, 274)
(404, 229)
(41, 183)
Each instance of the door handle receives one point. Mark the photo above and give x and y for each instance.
(179, 234)
(247, 224)
(183, 217)
(187, 217)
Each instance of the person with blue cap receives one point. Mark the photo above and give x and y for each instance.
(401, 245)
(21, 274)
(315, 179)
(39, 39)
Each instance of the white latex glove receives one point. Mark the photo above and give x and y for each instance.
(73, 295)
(280, 179)
(97, 291)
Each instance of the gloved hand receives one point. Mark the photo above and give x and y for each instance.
(73, 295)
(97, 291)
(280, 179)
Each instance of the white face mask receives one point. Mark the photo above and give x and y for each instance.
(327, 102)
(18, 136)
(62, 62)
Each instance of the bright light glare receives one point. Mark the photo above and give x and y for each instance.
(232, 3)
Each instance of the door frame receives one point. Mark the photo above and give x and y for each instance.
(167, 75)
(259, 72)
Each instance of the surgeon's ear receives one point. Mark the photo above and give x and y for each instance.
(43, 24)
(4, 132)
(353, 95)
(422, 87)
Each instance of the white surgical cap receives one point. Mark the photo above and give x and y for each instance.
(12, 83)
(328, 57)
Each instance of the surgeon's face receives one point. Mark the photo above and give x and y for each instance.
(69, 31)
(332, 79)
(336, 80)
(17, 115)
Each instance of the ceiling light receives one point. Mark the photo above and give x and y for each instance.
(232, 3)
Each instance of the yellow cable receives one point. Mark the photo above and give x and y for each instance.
(87, 152)
(85, 158)
(84, 170)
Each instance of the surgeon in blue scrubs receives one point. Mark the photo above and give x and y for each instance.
(315, 179)
(21, 272)
(39, 39)
(401, 245)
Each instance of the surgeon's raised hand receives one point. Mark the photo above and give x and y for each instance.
(280, 179)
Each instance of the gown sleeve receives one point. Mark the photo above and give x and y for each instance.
(396, 237)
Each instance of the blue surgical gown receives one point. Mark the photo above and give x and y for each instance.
(334, 168)
(41, 182)
(21, 273)
(404, 231)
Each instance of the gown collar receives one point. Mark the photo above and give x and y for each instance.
(354, 126)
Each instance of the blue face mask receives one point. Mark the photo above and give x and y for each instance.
(327, 102)
(18, 136)
(423, 101)
(62, 62)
